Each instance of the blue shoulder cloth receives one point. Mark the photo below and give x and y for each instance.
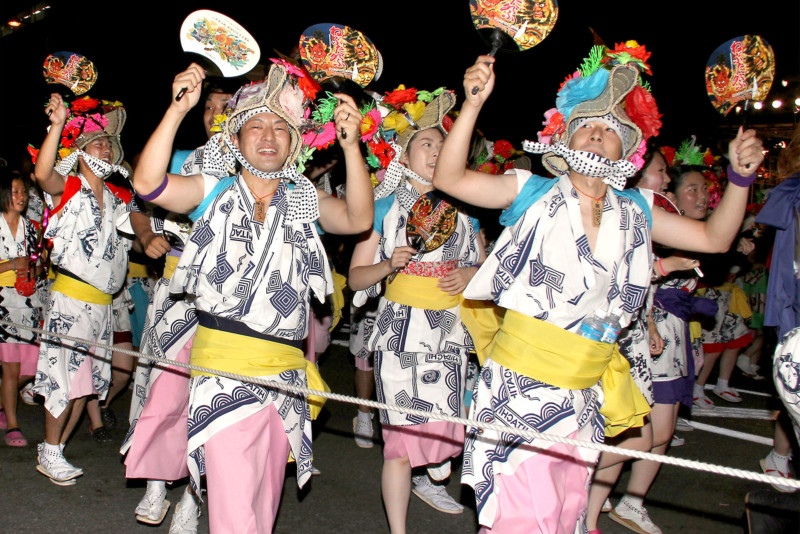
(382, 207)
(178, 159)
(537, 186)
(219, 188)
(533, 190)
(636, 196)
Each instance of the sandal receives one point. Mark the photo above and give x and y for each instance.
(729, 395)
(703, 401)
(15, 438)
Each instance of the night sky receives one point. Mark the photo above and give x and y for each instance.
(425, 44)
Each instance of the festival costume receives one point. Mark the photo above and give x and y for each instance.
(157, 441)
(91, 264)
(420, 344)
(17, 346)
(537, 373)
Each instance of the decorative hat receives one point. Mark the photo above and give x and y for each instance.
(90, 119)
(606, 87)
(406, 112)
(281, 93)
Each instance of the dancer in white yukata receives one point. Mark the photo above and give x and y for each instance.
(91, 258)
(157, 440)
(253, 262)
(19, 351)
(573, 245)
(420, 344)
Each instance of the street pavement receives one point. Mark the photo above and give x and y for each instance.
(346, 496)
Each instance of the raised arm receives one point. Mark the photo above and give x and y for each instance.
(354, 214)
(451, 175)
(180, 194)
(716, 234)
(45, 173)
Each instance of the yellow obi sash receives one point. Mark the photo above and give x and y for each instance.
(51, 273)
(170, 262)
(138, 270)
(739, 303)
(555, 356)
(337, 297)
(250, 356)
(420, 292)
(8, 278)
(79, 290)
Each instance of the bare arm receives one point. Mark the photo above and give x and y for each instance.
(716, 234)
(364, 273)
(45, 173)
(182, 193)
(154, 245)
(451, 175)
(354, 214)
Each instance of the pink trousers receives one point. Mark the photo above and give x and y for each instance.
(547, 494)
(245, 469)
(425, 444)
(160, 440)
(22, 353)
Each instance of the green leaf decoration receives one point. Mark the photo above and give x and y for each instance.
(593, 62)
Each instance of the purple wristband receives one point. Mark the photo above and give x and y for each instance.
(737, 179)
(158, 190)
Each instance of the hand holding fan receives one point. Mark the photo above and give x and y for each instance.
(73, 71)
(223, 42)
(340, 57)
(513, 25)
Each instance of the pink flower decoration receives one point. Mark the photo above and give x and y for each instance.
(290, 69)
(638, 157)
(369, 124)
(380, 175)
(321, 137)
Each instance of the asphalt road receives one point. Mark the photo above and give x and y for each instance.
(346, 496)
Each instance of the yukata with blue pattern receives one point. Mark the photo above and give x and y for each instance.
(542, 267)
(87, 244)
(420, 355)
(262, 275)
(157, 449)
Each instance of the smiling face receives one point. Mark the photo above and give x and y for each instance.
(19, 197)
(215, 105)
(692, 195)
(597, 137)
(423, 152)
(264, 141)
(655, 175)
(100, 148)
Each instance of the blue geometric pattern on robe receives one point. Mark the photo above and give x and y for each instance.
(219, 405)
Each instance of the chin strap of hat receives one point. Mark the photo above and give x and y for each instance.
(613, 173)
(100, 168)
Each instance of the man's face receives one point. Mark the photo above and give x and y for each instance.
(100, 148)
(264, 141)
(599, 138)
(215, 105)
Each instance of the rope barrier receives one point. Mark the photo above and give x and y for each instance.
(481, 425)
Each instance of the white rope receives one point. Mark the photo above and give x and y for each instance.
(483, 426)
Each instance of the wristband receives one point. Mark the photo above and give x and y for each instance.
(737, 179)
(157, 192)
(660, 268)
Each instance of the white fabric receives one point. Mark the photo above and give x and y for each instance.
(13, 306)
(100, 168)
(613, 173)
(86, 242)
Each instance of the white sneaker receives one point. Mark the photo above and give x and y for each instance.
(633, 518)
(677, 441)
(152, 509)
(53, 465)
(769, 468)
(683, 425)
(185, 518)
(440, 472)
(435, 496)
(363, 432)
(27, 395)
